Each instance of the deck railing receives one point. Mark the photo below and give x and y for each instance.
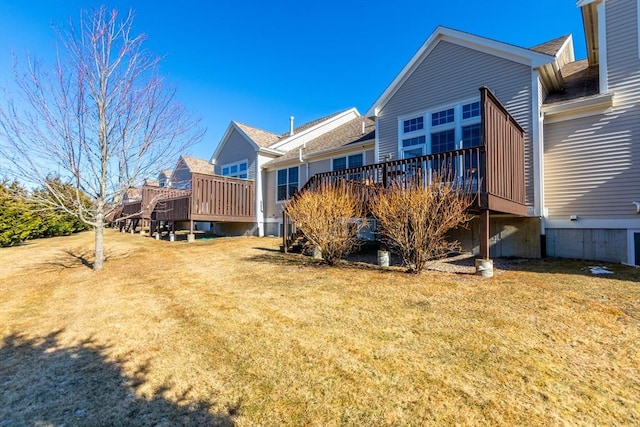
(493, 170)
(211, 198)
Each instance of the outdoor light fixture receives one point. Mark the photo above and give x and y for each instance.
(637, 204)
(573, 217)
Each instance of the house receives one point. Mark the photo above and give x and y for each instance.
(186, 166)
(591, 136)
(563, 179)
(549, 144)
(244, 152)
(164, 178)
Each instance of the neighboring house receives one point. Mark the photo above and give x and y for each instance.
(164, 178)
(186, 166)
(349, 145)
(244, 151)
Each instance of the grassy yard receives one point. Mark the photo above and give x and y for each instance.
(232, 332)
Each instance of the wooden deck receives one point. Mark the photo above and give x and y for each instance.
(210, 198)
(493, 171)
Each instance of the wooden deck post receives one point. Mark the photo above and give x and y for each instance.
(484, 234)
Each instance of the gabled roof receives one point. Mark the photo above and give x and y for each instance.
(311, 124)
(258, 138)
(503, 50)
(347, 135)
(261, 138)
(308, 128)
(166, 172)
(551, 47)
(270, 143)
(196, 165)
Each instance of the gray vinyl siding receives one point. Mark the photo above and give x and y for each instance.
(369, 157)
(181, 177)
(453, 73)
(592, 164)
(237, 149)
(319, 166)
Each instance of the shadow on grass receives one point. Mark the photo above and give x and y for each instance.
(77, 258)
(267, 249)
(571, 266)
(46, 384)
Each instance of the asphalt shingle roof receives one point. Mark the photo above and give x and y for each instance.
(580, 81)
(551, 47)
(349, 133)
(198, 165)
(261, 137)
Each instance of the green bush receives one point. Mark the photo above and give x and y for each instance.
(26, 216)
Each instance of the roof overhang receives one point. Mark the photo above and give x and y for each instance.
(270, 151)
(339, 150)
(492, 47)
(581, 107)
(320, 154)
(590, 23)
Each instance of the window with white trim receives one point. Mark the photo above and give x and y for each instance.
(347, 162)
(440, 130)
(413, 124)
(287, 184)
(236, 170)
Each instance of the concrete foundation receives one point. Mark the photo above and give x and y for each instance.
(235, 229)
(509, 236)
(594, 244)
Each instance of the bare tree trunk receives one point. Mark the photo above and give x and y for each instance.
(99, 244)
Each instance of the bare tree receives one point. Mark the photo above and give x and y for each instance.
(415, 219)
(330, 216)
(101, 118)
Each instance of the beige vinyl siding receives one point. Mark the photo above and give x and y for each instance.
(453, 73)
(235, 150)
(592, 164)
(272, 210)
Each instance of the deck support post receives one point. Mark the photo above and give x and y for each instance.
(191, 237)
(484, 234)
(484, 266)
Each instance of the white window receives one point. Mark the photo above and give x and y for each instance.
(236, 170)
(287, 183)
(444, 129)
(348, 162)
(413, 124)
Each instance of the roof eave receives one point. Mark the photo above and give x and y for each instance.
(348, 147)
(290, 138)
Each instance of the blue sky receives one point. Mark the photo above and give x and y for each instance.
(258, 62)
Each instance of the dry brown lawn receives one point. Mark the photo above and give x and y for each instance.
(232, 332)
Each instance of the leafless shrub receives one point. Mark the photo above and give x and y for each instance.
(414, 219)
(330, 216)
